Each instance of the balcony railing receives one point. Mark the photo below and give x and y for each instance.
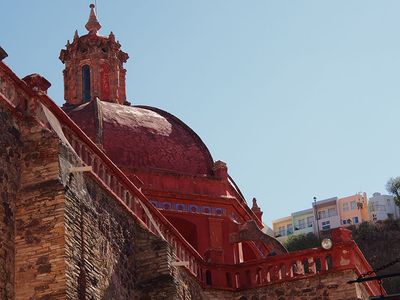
(288, 267)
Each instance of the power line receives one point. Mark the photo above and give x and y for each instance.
(363, 277)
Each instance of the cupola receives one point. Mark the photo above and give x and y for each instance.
(93, 67)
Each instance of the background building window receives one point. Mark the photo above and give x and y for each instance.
(371, 206)
(353, 205)
(321, 214)
(326, 225)
(302, 224)
(345, 206)
(332, 212)
(348, 222)
(289, 229)
(355, 220)
(310, 221)
(281, 231)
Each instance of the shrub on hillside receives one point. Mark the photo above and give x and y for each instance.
(301, 241)
(380, 243)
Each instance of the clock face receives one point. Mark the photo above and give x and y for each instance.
(326, 244)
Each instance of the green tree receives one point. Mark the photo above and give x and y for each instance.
(301, 241)
(393, 187)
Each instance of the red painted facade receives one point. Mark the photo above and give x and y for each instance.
(180, 177)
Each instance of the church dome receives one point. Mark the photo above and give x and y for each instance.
(135, 137)
(142, 137)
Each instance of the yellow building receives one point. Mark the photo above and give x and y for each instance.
(283, 228)
(353, 209)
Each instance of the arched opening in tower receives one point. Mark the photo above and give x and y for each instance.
(85, 83)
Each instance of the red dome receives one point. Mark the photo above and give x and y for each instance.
(144, 137)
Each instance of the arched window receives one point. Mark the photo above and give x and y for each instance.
(208, 278)
(85, 83)
(329, 263)
(306, 266)
(258, 275)
(229, 279)
(248, 278)
(317, 265)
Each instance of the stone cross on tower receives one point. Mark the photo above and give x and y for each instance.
(93, 67)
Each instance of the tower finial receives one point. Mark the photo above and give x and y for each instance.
(255, 205)
(256, 209)
(93, 24)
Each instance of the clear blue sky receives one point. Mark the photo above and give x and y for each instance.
(300, 98)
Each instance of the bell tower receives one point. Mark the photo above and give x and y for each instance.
(93, 67)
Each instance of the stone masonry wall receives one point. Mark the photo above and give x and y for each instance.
(188, 288)
(332, 286)
(156, 279)
(39, 219)
(109, 255)
(10, 154)
(154, 275)
(99, 239)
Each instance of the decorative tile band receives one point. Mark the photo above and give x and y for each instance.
(192, 208)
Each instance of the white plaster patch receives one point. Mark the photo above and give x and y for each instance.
(135, 117)
(344, 261)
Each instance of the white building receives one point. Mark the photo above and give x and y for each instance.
(327, 213)
(382, 207)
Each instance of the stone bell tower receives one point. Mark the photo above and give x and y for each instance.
(93, 67)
